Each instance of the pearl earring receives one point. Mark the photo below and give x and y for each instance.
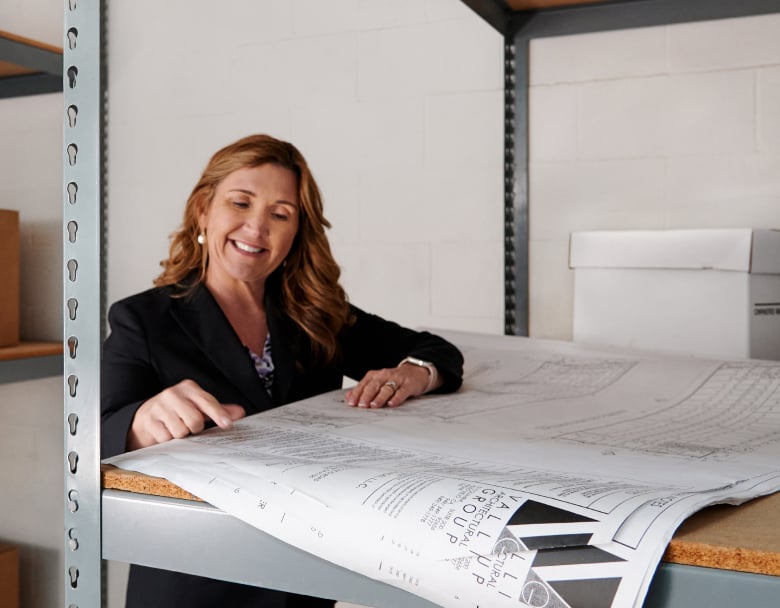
(201, 238)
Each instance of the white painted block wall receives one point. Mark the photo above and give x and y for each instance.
(396, 105)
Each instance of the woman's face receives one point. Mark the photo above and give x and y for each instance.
(250, 224)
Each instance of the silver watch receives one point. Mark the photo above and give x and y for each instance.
(433, 373)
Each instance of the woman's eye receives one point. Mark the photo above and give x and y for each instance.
(240, 204)
(279, 216)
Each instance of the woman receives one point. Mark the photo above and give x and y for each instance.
(247, 315)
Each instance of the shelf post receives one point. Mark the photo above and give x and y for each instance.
(82, 96)
(516, 298)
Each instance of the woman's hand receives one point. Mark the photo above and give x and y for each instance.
(389, 387)
(176, 412)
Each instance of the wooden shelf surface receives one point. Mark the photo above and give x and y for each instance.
(8, 68)
(30, 42)
(26, 350)
(745, 538)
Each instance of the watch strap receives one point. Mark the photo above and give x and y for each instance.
(433, 373)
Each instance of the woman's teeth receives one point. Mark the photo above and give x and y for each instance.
(247, 248)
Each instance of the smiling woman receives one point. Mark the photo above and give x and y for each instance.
(248, 314)
(248, 230)
(276, 173)
(250, 225)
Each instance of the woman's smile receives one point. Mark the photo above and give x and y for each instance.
(250, 224)
(246, 247)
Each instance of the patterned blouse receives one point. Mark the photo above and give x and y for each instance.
(264, 364)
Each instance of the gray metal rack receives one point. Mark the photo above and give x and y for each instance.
(158, 532)
(28, 67)
(519, 27)
(82, 154)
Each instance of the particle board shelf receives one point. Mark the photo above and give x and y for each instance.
(27, 350)
(30, 361)
(28, 67)
(743, 538)
(114, 478)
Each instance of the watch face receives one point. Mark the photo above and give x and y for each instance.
(416, 361)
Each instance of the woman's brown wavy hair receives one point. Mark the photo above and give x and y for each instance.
(308, 283)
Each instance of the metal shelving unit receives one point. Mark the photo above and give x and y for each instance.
(28, 67)
(520, 21)
(158, 532)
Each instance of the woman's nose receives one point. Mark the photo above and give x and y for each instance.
(257, 222)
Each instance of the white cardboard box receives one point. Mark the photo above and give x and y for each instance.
(709, 292)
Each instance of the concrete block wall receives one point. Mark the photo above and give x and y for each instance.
(653, 128)
(396, 105)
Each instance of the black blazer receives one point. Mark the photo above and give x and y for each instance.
(157, 340)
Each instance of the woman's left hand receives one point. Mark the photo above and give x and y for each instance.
(388, 387)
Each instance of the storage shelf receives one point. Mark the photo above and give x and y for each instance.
(181, 535)
(28, 67)
(27, 350)
(30, 360)
(725, 537)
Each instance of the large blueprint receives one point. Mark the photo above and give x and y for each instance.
(555, 478)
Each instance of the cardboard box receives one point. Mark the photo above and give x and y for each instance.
(709, 292)
(9, 277)
(9, 576)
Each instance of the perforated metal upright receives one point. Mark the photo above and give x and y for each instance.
(82, 94)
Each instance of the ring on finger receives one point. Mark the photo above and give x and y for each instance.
(392, 385)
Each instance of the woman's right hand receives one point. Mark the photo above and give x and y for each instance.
(176, 412)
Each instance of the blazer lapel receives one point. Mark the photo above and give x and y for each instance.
(202, 319)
